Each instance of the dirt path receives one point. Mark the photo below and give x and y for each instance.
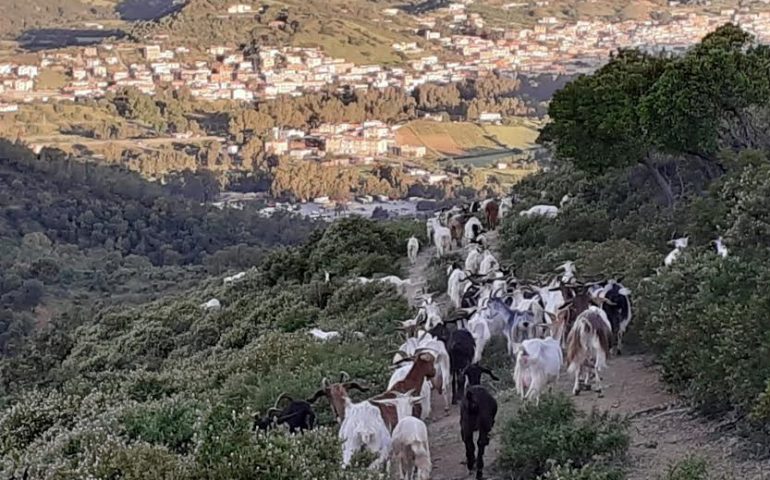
(661, 430)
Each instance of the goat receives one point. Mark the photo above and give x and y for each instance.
(442, 238)
(430, 311)
(565, 200)
(721, 248)
(298, 415)
(212, 304)
(569, 271)
(412, 247)
(461, 348)
(472, 229)
(477, 414)
(473, 259)
(402, 368)
(397, 282)
(457, 229)
(443, 377)
(492, 211)
(506, 205)
(323, 336)
(618, 309)
(588, 339)
(679, 245)
(336, 393)
(488, 263)
(431, 227)
(234, 278)
(410, 450)
(361, 424)
(538, 362)
(423, 367)
(455, 285)
(516, 323)
(473, 372)
(548, 211)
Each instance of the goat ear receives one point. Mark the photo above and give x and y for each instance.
(316, 396)
(489, 372)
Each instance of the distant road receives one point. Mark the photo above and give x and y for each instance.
(57, 140)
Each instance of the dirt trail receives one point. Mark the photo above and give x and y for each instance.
(661, 430)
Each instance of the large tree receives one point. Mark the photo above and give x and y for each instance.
(595, 119)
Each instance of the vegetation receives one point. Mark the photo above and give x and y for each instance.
(705, 316)
(555, 432)
(691, 468)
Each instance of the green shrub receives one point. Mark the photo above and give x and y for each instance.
(556, 432)
(691, 468)
(169, 422)
(588, 472)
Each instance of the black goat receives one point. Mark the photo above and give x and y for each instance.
(477, 414)
(461, 347)
(298, 415)
(474, 371)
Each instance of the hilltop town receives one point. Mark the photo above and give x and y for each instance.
(448, 45)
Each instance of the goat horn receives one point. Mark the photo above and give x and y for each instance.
(281, 397)
(344, 376)
(324, 383)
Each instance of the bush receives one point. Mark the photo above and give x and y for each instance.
(170, 423)
(556, 432)
(588, 472)
(691, 468)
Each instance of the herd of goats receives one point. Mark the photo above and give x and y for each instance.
(541, 322)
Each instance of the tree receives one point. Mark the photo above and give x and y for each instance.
(595, 119)
(711, 87)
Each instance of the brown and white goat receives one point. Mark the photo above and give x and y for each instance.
(422, 369)
(337, 394)
(589, 339)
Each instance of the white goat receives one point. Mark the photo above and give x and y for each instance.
(473, 259)
(234, 278)
(410, 450)
(360, 280)
(431, 312)
(588, 339)
(548, 211)
(471, 227)
(363, 426)
(431, 227)
(569, 271)
(323, 336)
(565, 200)
(538, 362)
(721, 248)
(212, 304)
(506, 205)
(442, 239)
(412, 247)
(397, 282)
(488, 263)
(454, 287)
(679, 245)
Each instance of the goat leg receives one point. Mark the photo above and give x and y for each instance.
(482, 444)
(470, 451)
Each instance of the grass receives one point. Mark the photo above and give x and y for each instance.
(458, 138)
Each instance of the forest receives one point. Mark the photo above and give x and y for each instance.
(164, 389)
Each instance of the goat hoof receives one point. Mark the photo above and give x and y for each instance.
(576, 392)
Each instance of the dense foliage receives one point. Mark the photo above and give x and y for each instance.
(706, 316)
(169, 390)
(555, 432)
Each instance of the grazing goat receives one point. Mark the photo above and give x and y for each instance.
(538, 362)
(442, 238)
(397, 282)
(234, 278)
(336, 393)
(548, 211)
(506, 205)
(721, 248)
(212, 304)
(412, 247)
(472, 230)
(461, 348)
(298, 415)
(473, 372)
(477, 414)
(679, 245)
(491, 212)
(323, 336)
(588, 340)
